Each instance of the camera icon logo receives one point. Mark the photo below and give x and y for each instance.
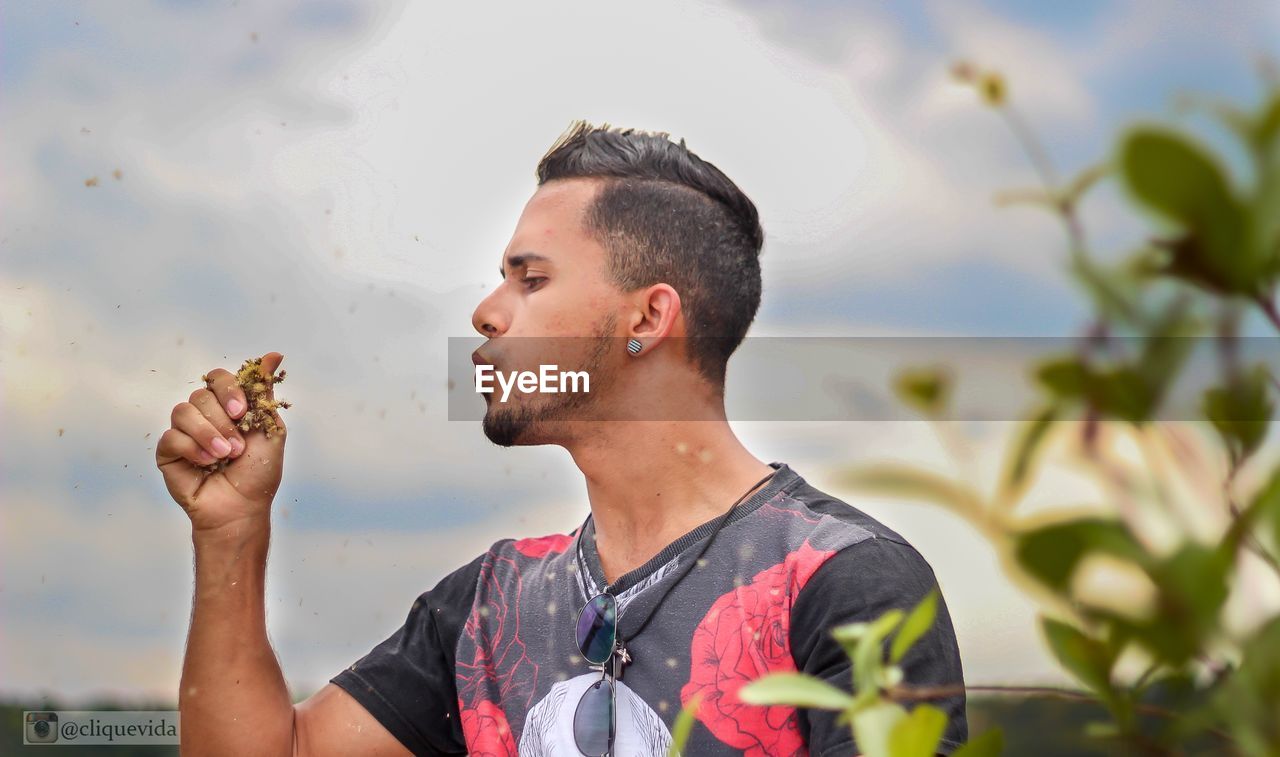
(41, 728)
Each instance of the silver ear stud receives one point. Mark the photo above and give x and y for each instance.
(634, 346)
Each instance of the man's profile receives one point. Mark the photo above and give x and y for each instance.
(699, 568)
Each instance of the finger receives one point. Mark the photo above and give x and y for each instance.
(267, 367)
(227, 389)
(207, 403)
(188, 419)
(175, 445)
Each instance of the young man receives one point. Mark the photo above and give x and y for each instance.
(699, 569)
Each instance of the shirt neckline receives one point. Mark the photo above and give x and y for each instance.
(585, 545)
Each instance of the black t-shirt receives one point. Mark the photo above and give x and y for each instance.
(487, 663)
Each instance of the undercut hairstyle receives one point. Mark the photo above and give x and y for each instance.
(664, 215)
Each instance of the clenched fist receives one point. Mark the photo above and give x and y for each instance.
(217, 473)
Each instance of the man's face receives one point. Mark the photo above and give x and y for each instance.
(554, 284)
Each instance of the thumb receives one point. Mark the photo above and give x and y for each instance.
(267, 370)
(270, 362)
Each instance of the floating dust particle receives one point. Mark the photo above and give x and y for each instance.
(147, 435)
(451, 384)
(91, 182)
(60, 431)
(84, 130)
(117, 174)
(253, 37)
(262, 412)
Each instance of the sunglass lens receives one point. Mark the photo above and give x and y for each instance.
(598, 628)
(593, 720)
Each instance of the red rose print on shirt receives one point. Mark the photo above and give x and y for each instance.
(493, 663)
(745, 635)
(544, 545)
(486, 731)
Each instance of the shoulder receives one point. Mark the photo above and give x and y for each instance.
(864, 561)
(836, 514)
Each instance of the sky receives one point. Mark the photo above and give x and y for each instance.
(189, 184)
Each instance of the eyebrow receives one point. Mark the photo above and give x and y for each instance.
(517, 261)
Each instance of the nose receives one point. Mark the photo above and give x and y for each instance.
(489, 318)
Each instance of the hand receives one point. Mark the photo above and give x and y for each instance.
(203, 431)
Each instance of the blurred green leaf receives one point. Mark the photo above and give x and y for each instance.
(1193, 587)
(989, 743)
(1023, 453)
(1087, 659)
(873, 726)
(918, 734)
(1177, 180)
(1051, 553)
(1120, 392)
(683, 727)
(796, 690)
(1102, 729)
(864, 644)
(1065, 377)
(917, 623)
(1241, 413)
(1165, 347)
(925, 388)
(1248, 699)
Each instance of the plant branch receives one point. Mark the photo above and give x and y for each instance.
(919, 693)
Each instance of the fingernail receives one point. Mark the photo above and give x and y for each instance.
(220, 446)
(235, 407)
(237, 446)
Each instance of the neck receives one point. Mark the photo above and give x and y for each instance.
(669, 478)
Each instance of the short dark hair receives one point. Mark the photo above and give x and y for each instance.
(664, 215)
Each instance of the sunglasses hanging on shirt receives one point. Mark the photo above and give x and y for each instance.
(601, 643)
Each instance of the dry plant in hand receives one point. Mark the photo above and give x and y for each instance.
(262, 409)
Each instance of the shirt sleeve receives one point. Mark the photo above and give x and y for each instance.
(858, 584)
(407, 681)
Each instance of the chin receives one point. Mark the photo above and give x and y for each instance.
(511, 427)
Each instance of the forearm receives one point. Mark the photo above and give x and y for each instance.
(233, 698)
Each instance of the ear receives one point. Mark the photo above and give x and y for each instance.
(657, 309)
